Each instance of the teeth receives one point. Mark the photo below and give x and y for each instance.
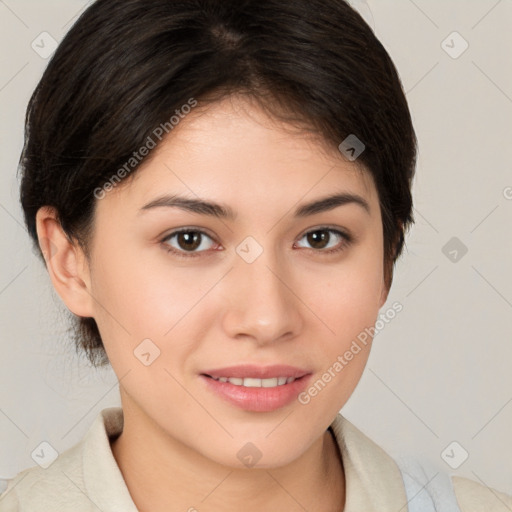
(257, 383)
(250, 382)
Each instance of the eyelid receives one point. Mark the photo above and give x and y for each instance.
(326, 227)
(186, 229)
(346, 240)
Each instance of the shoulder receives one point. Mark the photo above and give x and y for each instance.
(429, 488)
(33, 487)
(475, 497)
(377, 477)
(84, 476)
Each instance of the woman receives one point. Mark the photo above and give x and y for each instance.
(219, 191)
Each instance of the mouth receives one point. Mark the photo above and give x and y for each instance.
(260, 389)
(251, 382)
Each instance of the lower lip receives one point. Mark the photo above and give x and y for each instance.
(258, 399)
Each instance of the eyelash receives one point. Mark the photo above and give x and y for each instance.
(346, 242)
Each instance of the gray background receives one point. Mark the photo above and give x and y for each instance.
(440, 371)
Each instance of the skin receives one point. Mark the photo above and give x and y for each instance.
(293, 305)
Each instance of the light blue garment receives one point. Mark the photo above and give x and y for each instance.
(427, 488)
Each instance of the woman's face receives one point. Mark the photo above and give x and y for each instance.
(274, 288)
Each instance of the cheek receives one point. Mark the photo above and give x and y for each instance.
(347, 296)
(347, 301)
(139, 294)
(142, 297)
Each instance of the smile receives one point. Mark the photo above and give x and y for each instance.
(250, 382)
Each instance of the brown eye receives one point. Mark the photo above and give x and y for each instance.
(318, 239)
(326, 240)
(186, 240)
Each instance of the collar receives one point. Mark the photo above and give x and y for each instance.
(103, 479)
(373, 481)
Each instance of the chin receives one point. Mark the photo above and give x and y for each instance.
(261, 453)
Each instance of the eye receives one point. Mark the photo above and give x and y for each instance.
(187, 242)
(191, 242)
(322, 240)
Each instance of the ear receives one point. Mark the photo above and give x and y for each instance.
(66, 263)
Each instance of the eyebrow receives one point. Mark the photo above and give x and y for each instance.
(203, 207)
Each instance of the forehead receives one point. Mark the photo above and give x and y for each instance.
(231, 146)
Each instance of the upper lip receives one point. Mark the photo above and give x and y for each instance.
(257, 372)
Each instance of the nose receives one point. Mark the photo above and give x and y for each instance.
(262, 304)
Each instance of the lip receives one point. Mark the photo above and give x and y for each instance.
(258, 372)
(257, 399)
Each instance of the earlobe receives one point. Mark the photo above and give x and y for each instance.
(66, 263)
